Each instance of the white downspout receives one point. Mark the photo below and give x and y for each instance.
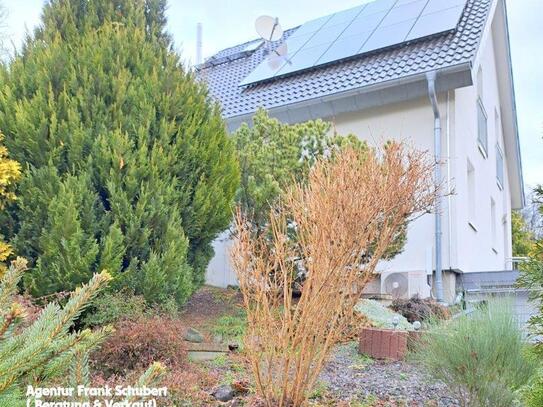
(449, 192)
(438, 281)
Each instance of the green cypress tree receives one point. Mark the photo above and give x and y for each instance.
(127, 166)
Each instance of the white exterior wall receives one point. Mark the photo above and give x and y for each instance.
(412, 122)
(476, 251)
(466, 248)
(463, 247)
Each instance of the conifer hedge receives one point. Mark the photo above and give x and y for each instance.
(127, 165)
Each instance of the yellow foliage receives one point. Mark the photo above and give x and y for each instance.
(10, 172)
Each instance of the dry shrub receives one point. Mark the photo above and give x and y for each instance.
(30, 309)
(190, 387)
(356, 321)
(135, 344)
(336, 228)
(418, 309)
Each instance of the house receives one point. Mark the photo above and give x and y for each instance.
(434, 72)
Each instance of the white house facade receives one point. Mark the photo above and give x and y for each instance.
(384, 94)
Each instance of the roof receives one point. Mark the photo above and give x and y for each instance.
(224, 71)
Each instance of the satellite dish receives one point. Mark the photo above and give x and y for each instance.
(269, 28)
(281, 50)
(278, 56)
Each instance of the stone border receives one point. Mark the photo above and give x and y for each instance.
(383, 343)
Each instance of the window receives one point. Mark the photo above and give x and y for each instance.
(497, 126)
(506, 239)
(499, 167)
(480, 82)
(493, 224)
(482, 128)
(471, 196)
(482, 118)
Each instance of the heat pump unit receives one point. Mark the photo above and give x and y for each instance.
(405, 284)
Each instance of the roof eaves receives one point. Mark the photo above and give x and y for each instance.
(513, 101)
(451, 77)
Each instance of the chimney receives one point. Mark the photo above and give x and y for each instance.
(199, 44)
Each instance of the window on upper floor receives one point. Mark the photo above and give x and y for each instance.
(472, 208)
(497, 125)
(480, 82)
(482, 128)
(499, 167)
(482, 118)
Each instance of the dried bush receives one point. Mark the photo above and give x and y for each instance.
(136, 344)
(336, 227)
(418, 309)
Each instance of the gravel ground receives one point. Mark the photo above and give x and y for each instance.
(349, 376)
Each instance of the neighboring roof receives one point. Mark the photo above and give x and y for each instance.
(224, 71)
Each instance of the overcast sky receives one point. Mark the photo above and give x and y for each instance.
(229, 22)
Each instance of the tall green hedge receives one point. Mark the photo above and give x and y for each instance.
(127, 165)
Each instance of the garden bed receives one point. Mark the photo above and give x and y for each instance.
(349, 376)
(348, 379)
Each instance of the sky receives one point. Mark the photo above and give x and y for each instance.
(230, 22)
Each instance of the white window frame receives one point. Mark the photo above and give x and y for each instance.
(493, 225)
(499, 154)
(482, 144)
(472, 199)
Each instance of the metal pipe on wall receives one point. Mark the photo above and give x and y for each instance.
(438, 280)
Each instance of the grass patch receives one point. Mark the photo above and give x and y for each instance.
(368, 401)
(350, 350)
(481, 356)
(231, 327)
(319, 391)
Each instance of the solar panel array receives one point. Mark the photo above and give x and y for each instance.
(366, 28)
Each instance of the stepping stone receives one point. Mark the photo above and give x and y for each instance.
(201, 352)
(203, 356)
(224, 393)
(194, 336)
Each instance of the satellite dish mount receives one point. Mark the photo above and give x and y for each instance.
(270, 30)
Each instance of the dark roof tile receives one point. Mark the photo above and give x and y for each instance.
(407, 59)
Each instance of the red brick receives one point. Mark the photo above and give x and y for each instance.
(383, 343)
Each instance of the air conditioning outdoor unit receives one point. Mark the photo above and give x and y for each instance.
(405, 284)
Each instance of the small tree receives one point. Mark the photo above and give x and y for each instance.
(532, 275)
(46, 349)
(343, 220)
(275, 155)
(532, 279)
(128, 166)
(523, 238)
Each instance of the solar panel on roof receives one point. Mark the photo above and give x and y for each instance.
(359, 30)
